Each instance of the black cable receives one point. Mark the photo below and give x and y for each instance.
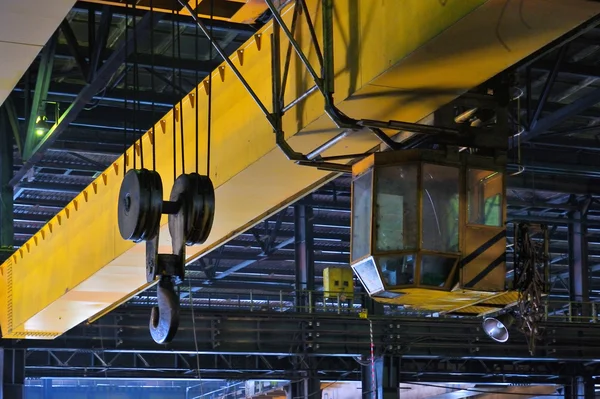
(180, 101)
(125, 88)
(136, 90)
(133, 115)
(152, 89)
(209, 119)
(173, 14)
(196, 51)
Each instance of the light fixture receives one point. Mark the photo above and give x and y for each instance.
(41, 125)
(497, 327)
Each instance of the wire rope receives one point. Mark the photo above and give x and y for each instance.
(173, 73)
(180, 83)
(125, 91)
(152, 88)
(209, 108)
(136, 92)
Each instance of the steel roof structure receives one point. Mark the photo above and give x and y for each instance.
(244, 291)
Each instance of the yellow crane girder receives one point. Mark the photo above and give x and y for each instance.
(394, 60)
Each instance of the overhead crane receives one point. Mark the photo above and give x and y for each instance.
(392, 61)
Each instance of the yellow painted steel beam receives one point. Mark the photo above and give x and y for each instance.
(240, 11)
(393, 60)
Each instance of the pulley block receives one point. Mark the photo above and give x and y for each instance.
(140, 205)
(191, 210)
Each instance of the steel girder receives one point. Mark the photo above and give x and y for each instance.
(270, 345)
(280, 333)
(48, 362)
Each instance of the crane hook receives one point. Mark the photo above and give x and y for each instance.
(164, 319)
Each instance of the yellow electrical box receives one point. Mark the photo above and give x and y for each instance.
(337, 281)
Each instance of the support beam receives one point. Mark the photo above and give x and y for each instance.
(578, 261)
(387, 377)
(6, 191)
(182, 20)
(101, 37)
(562, 114)
(66, 92)
(161, 62)
(307, 386)
(368, 379)
(585, 71)
(74, 48)
(89, 91)
(12, 362)
(589, 387)
(548, 86)
(38, 105)
(553, 183)
(304, 254)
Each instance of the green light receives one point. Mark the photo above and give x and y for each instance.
(41, 126)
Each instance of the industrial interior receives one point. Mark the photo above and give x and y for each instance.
(227, 199)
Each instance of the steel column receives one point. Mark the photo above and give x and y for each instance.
(304, 254)
(308, 387)
(589, 388)
(47, 389)
(579, 387)
(578, 260)
(6, 191)
(367, 379)
(40, 94)
(13, 371)
(386, 376)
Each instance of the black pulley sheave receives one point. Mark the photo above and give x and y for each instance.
(140, 205)
(196, 196)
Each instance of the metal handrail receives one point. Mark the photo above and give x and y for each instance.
(307, 301)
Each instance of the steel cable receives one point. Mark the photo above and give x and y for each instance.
(196, 50)
(125, 88)
(173, 72)
(209, 110)
(179, 35)
(136, 90)
(152, 88)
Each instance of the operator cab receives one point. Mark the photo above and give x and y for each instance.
(428, 230)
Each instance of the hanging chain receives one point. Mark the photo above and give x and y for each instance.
(529, 282)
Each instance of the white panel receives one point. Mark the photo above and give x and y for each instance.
(15, 59)
(25, 27)
(31, 21)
